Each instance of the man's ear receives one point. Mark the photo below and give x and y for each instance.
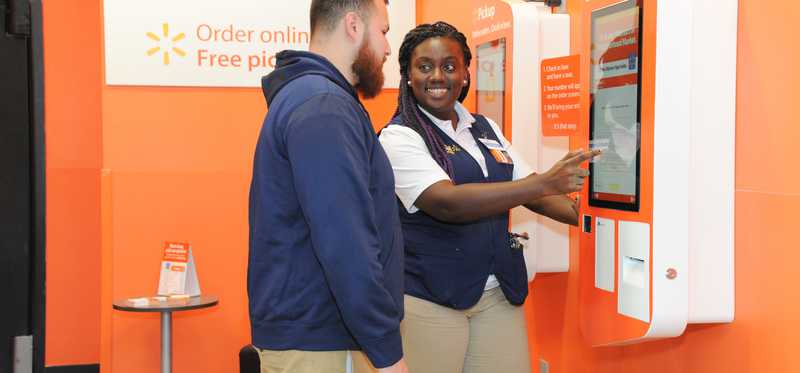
(354, 26)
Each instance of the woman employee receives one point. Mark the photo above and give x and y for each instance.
(456, 177)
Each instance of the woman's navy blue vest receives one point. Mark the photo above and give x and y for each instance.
(449, 264)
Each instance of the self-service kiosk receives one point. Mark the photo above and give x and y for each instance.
(656, 240)
(510, 38)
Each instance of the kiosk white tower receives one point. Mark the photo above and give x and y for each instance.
(510, 38)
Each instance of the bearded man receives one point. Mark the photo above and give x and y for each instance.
(325, 266)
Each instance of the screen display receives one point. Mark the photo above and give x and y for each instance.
(615, 115)
(491, 60)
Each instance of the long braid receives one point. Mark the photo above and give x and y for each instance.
(417, 121)
(407, 106)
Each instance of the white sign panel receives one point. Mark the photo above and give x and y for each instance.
(216, 44)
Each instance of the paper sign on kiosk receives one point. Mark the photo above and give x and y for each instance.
(178, 272)
(561, 95)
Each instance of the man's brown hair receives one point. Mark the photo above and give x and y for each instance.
(327, 13)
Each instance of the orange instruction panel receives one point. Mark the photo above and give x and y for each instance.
(561, 95)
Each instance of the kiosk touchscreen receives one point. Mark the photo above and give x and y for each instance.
(491, 60)
(615, 106)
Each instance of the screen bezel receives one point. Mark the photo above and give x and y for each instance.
(595, 202)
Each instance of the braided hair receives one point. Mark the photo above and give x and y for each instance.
(407, 108)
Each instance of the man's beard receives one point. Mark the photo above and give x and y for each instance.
(369, 71)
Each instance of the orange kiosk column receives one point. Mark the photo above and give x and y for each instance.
(656, 241)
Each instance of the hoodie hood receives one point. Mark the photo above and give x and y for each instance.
(291, 65)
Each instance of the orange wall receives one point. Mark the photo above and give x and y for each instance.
(179, 167)
(72, 59)
(179, 162)
(766, 327)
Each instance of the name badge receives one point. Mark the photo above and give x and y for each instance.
(491, 144)
(497, 151)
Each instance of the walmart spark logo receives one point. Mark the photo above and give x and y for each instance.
(166, 44)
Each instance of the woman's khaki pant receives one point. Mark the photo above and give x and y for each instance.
(490, 337)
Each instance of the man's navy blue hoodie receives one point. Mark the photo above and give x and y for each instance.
(325, 269)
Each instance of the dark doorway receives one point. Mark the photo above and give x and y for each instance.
(21, 188)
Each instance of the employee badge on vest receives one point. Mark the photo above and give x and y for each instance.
(497, 151)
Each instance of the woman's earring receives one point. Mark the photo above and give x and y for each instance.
(408, 82)
(465, 82)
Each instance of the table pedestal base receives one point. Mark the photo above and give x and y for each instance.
(166, 342)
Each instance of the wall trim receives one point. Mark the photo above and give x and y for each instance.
(89, 368)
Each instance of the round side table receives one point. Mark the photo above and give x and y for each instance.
(166, 308)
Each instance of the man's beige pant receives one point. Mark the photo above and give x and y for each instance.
(295, 361)
(490, 337)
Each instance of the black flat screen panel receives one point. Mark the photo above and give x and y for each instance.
(615, 110)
